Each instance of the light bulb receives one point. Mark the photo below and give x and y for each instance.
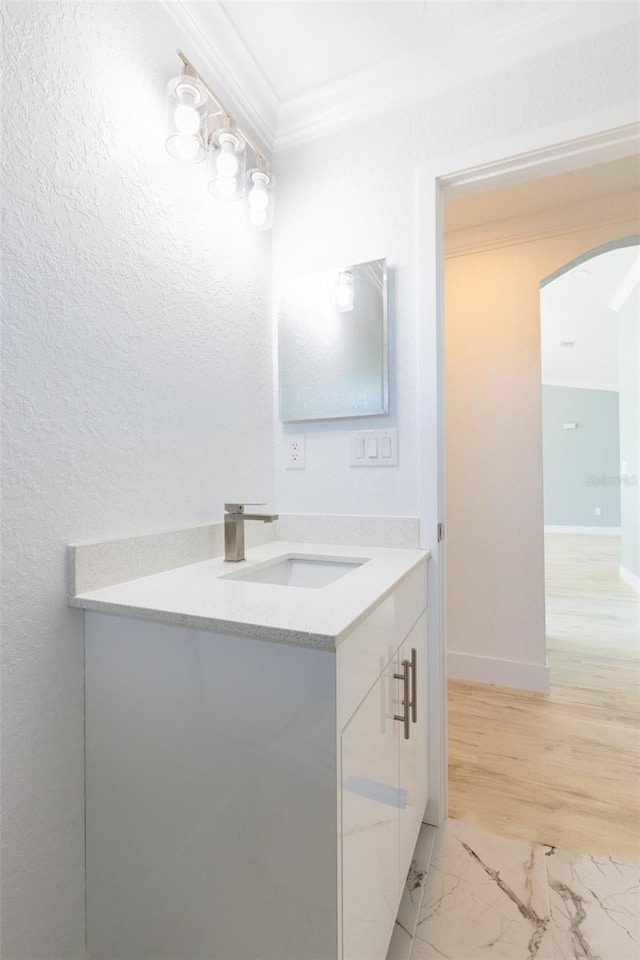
(259, 210)
(258, 196)
(226, 161)
(186, 119)
(257, 217)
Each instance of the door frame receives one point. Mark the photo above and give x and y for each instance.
(581, 142)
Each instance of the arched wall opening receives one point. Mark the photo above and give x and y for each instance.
(589, 315)
(493, 430)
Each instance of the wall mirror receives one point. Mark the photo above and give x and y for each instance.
(333, 344)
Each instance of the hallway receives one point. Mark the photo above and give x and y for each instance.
(561, 769)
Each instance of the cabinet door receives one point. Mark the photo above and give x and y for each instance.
(370, 823)
(413, 771)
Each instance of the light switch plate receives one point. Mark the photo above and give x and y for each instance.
(374, 448)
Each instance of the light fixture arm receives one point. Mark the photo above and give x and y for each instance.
(223, 109)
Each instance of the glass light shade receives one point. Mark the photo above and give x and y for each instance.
(188, 90)
(186, 103)
(260, 197)
(186, 147)
(226, 164)
(257, 218)
(225, 188)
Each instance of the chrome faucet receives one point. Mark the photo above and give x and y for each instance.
(234, 519)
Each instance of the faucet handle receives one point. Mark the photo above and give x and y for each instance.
(239, 507)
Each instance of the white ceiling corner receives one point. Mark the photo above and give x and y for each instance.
(421, 72)
(294, 71)
(211, 42)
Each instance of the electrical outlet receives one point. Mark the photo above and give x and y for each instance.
(598, 512)
(294, 451)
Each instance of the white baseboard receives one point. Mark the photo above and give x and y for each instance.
(603, 531)
(503, 673)
(631, 579)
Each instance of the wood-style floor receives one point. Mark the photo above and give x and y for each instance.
(563, 768)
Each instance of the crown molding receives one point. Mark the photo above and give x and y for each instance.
(544, 224)
(621, 139)
(216, 50)
(357, 98)
(409, 79)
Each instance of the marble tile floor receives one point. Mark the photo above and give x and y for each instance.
(486, 897)
(407, 919)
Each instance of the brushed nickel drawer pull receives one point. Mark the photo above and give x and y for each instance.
(406, 679)
(414, 685)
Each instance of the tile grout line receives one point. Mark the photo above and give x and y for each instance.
(549, 851)
(422, 889)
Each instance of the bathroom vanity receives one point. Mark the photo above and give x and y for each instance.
(256, 755)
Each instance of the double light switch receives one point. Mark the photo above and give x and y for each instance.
(374, 448)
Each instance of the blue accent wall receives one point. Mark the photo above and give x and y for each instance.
(581, 466)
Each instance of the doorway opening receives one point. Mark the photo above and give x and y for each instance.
(508, 730)
(593, 139)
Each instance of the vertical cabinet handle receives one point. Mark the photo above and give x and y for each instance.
(414, 685)
(406, 679)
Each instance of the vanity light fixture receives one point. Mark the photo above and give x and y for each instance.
(260, 196)
(203, 127)
(227, 161)
(187, 102)
(345, 287)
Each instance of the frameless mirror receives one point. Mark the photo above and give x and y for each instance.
(332, 344)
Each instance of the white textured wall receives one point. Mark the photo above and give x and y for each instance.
(493, 401)
(137, 390)
(351, 197)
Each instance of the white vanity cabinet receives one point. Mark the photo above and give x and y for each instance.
(249, 799)
(413, 751)
(384, 795)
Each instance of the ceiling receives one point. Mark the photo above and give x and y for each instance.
(301, 46)
(579, 305)
(577, 308)
(549, 206)
(524, 199)
(293, 71)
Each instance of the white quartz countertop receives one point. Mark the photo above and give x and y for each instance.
(197, 595)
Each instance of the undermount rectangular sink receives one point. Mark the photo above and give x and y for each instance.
(299, 571)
